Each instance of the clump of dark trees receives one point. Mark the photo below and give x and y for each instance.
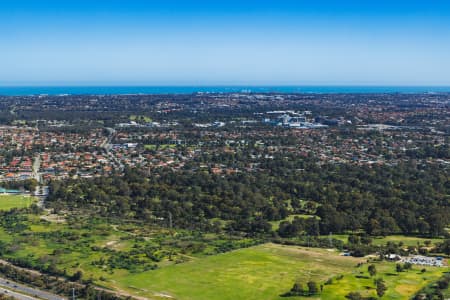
(379, 200)
(299, 290)
(27, 185)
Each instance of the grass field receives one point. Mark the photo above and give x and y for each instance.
(140, 118)
(267, 271)
(159, 147)
(406, 240)
(8, 202)
(290, 218)
(260, 272)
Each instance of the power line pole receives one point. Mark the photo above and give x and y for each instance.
(73, 293)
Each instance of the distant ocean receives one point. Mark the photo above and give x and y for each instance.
(124, 90)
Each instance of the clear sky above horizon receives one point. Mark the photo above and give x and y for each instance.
(110, 42)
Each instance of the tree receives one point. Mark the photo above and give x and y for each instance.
(380, 287)
(73, 172)
(78, 275)
(288, 229)
(354, 239)
(398, 268)
(423, 227)
(443, 283)
(366, 240)
(354, 296)
(312, 226)
(407, 266)
(445, 247)
(297, 288)
(312, 288)
(437, 222)
(372, 270)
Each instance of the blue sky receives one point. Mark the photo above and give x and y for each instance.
(224, 43)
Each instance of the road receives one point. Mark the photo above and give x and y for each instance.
(107, 146)
(118, 293)
(15, 295)
(21, 291)
(36, 168)
(107, 143)
(41, 191)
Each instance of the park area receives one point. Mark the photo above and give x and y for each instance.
(166, 264)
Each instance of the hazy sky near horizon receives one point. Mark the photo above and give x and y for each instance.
(130, 42)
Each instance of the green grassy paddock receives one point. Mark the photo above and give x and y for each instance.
(260, 272)
(140, 118)
(290, 218)
(8, 201)
(406, 240)
(267, 271)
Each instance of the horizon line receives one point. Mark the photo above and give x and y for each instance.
(221, 85)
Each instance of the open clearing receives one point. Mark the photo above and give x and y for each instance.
(269, 270)
(290, 218)
(8, 201)
(260, 272)
(406, 240)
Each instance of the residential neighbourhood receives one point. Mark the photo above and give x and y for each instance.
(381, 130)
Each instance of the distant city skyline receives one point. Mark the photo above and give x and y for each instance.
(201, 43)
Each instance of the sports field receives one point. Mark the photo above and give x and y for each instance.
(8, 201)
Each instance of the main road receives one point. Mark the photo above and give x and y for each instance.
(46, 295)
(15, 295)
(108, 146)
(23, 292)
